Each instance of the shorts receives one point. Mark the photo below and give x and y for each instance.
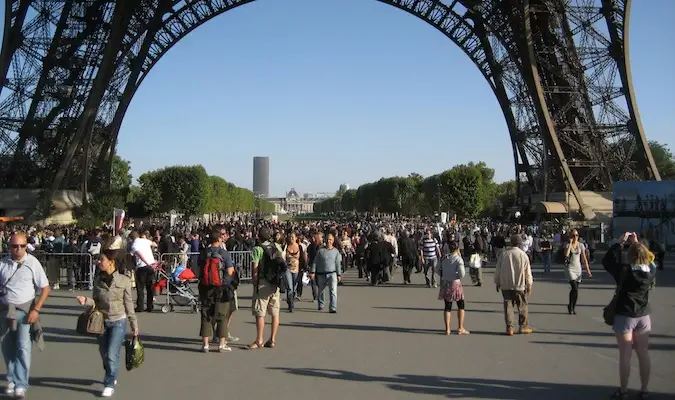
(265, 299)
(624, 324)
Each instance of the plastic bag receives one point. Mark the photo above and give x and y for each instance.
(305, 279)
(135, 355)
(475, 261)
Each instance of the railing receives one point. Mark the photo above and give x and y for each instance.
(242, 262)
(76, 270)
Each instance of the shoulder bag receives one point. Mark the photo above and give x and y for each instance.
(91, 322)
(609, 312)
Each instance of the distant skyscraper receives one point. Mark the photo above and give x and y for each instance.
(261, 176)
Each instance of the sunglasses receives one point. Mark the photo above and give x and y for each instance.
(18, 246)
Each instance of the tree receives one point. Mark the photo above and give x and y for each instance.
(120, 177)
(664, 160)
(190, 190)
(466, 190)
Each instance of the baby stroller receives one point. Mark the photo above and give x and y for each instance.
(178, 288)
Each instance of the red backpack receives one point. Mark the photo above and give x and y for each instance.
(212, 269)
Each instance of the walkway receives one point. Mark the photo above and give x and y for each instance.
(385, 343)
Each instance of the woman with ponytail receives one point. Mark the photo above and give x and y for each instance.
(112, 296)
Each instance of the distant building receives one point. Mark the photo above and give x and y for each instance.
(344, 187)
(295, 204)
(261, 176)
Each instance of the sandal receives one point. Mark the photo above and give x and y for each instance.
(463, 332)
(270, 344)
(620, 395)
(255, 346)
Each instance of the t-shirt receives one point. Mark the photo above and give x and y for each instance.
(21, 287)
(545, 246)
(143, 247)
(428, 247)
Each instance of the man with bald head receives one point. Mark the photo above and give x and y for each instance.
(21, 275)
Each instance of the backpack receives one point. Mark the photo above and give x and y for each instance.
(212, 269)
(273, 264)
(94, 248)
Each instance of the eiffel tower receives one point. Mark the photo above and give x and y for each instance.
(559, 68)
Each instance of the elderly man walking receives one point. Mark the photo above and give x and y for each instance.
(513, 276)
(20, 275)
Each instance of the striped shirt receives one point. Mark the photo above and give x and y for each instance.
(428, 247)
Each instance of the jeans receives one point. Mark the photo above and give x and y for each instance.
(546, 257)
(144, 278)
(16, 349)
(110, 347)
(291, 285)
(331, 281)
(430, 268)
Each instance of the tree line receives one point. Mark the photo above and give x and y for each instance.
(187, 190)
(467, 190)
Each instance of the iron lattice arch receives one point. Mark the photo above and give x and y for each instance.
(559, 69)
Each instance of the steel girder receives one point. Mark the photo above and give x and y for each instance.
(566, 93)
(454, 20)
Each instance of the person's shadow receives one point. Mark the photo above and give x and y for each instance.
(69, 384)
(476, 388)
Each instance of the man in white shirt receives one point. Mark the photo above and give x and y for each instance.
(141, 248)
(21, 275)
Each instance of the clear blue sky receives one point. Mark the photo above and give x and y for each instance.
(344, 91)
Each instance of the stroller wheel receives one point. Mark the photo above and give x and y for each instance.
(165, 309)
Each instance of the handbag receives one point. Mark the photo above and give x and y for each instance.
(609, 312)
(91, 323)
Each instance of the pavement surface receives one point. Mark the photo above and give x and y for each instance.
(384, 343)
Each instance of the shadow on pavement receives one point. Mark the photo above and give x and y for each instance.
(468, 310)
(363, 328)
(61, 335)
(477, 388)
(652, 346)
(609, 333)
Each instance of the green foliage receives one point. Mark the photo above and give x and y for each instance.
(466, 190)
(664, 160)
(120, 177)
(190, 190)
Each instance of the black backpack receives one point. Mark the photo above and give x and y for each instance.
(273, 264)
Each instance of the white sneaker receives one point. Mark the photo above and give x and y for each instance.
(9, 390)
(57, 286)
(19, 393)
(231, 338)
(224, 348)
(107, 392)
(205, 349)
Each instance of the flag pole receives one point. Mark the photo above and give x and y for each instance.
(113, 222)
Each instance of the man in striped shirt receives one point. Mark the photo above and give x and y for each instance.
(430, 252)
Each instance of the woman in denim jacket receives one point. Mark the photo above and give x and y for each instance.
(112, 296)
(452, 271)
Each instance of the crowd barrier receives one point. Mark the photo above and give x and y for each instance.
(242, 262)
(77, 270)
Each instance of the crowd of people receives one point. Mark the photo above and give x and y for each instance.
(290, 256)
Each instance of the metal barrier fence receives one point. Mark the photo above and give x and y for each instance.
(76, 270)
(242, 262)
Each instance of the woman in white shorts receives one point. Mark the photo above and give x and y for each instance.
(632, 323)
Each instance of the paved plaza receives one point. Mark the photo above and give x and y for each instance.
(384, 343)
